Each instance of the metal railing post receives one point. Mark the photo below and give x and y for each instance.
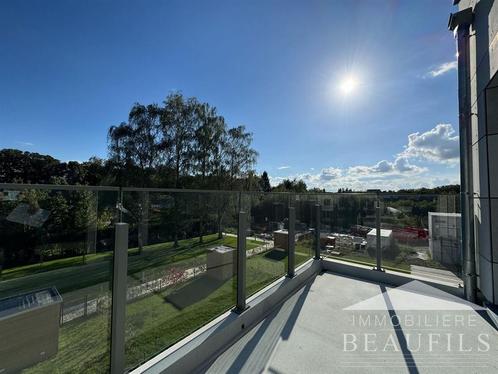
(378, 237)
(317, 231)
(291, 243)
(120, 201)
(118, 317)
(241, 263)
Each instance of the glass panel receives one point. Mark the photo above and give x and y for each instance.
(268, 240)
(181, 266)
(55, 275)
(491, 109)
(305, 226)
(426, 234)
(348, 227)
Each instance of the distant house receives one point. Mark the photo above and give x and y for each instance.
(444, 238)
(386, 239)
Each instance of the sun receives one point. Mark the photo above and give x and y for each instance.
(348, 85)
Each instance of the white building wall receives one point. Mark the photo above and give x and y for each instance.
(445, 233)
(484, 92)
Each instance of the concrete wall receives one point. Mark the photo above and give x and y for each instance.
(484, 93)
(281, 239)
(445, 234)
(28, 338)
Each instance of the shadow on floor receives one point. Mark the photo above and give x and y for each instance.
(486, 318)
(279, 331)
(193, 292)
(403, 344)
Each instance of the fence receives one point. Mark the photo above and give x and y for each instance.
(142, 268)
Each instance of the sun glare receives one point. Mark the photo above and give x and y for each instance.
(348, 85)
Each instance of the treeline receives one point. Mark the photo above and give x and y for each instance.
(451, 189)
(28, 167)
(182, 143)
(441, 190)
(33, 168)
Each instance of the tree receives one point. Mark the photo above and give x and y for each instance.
(288, 185)
(143, 139)
(181, 143)
(26, 167)
(210, 129)
(120, 152)
(133, 146)
(134, 149)
(264, 182)
(95, 172)
(239, 156)
(177, 124)
(208, 135)
(316, 190)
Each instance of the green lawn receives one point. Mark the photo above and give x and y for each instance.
(153, 323)
(69, 275)
(21, 271)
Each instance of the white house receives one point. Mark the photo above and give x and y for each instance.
(386, 239)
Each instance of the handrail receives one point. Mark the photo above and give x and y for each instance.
(75, 187)
(23, 186)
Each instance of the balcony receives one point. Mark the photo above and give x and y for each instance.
(321, 330)
(151, 280)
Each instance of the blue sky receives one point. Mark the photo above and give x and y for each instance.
(70, 69)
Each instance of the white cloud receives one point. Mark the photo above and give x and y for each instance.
(384, 182)
(283, 167)
(25, 144)
(277, 180)
(440, 144)
(330, 173)
(437, 146)
(400, 165)
(442, 69)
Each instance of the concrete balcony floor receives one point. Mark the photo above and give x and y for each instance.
(307, 334)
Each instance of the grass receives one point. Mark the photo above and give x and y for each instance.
(153, 323)
(67, 275)
(22, 271)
